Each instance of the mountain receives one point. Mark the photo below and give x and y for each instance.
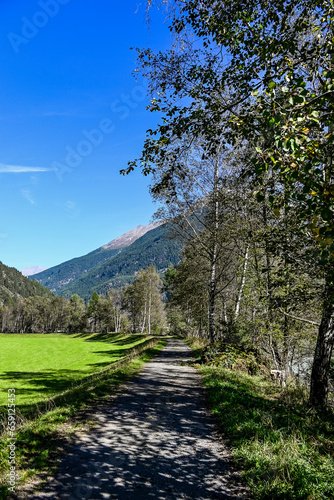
(57, 277)
(116, 264)
(130, 237)
(155, 247)
(30, 271)
(14, 286)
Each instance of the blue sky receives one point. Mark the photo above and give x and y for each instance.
(71, 117)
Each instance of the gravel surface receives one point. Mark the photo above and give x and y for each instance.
(156, 440)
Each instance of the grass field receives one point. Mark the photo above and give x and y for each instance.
(39, 366)
(71, 360)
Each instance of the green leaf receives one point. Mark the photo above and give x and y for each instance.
(326, 213)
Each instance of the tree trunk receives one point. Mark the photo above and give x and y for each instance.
(243, 281)
(149, 307)
(144, 319)
(212, 291)
(323, 350)
(116, 320)
(213, 257)
(212, 301)
(325, 340)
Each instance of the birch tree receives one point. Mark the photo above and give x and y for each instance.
(143, 302)
(276, 59)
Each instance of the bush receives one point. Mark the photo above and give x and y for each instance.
(234, 358)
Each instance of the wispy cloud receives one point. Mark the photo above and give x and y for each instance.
(70, 205)
(27, 195)
(19, 169)
(72, 209)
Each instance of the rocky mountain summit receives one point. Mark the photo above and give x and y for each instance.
(30, 271)
(130, 237)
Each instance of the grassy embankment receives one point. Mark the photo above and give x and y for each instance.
(55, 376)
(284, 447)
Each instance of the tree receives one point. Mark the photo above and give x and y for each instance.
(59, 314)
(268, 68)
(195, 203)
(115, 308)
(143, 301)
(77, 309)
(294, 100)
(93, 311)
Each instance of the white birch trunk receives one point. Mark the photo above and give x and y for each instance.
(243, 281)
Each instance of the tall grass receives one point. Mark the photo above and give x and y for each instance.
(285, 448)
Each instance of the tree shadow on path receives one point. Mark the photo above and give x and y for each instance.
(155, 441)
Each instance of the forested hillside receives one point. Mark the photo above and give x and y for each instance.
(141, 246)
(137, 307)
(14, 286)
(59, 276)
(156, 247)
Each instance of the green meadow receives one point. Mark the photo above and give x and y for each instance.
(40, 366)
(56, 377)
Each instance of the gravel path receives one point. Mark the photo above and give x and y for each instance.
(154, 441)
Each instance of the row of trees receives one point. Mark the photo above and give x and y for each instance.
(242, 162)
(137, 308)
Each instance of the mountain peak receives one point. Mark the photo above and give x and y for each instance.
(130, 237)
(30, 271)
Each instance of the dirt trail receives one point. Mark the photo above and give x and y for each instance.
(154, 441)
